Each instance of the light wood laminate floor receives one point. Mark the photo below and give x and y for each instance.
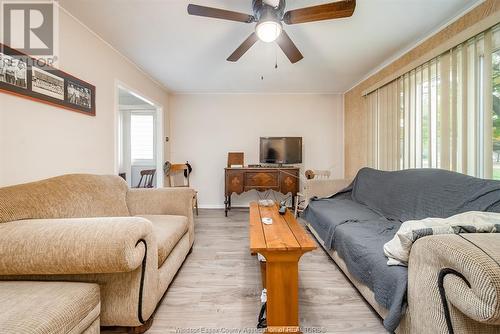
(219, 286)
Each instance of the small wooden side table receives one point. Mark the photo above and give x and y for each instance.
(282, 244)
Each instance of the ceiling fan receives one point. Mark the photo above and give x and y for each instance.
(268, 15)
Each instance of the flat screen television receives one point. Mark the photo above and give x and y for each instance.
(281, 150)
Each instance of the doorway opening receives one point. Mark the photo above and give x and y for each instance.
(140, 129)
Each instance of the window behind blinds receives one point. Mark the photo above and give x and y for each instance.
(440, 114)
(383, 128)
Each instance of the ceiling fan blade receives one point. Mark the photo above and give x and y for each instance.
(286, 44)
(219, 13)
(244, 47)
(334, 10)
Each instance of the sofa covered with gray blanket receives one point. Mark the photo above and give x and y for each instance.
(452, 282)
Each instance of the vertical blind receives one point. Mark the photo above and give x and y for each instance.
(384, 127)
(438, 115)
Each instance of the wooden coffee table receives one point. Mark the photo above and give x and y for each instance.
(282, 244)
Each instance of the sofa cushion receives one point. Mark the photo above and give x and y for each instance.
(326, 214)
(67, 196)
(360, 245)
(48, 307)
(168, 231)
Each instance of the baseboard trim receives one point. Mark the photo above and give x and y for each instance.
(221, 206)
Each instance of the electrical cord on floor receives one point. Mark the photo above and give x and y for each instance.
(262, 321)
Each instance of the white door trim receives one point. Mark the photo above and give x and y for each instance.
(160, 131)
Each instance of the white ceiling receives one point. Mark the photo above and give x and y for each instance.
(129, 99)
(188, 54)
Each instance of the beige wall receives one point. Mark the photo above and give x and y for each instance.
(205, 127)
(354, 104)
(39, 141)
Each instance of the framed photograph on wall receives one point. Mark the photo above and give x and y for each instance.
(79, 95)
(43, 82)
(13, 71)
(24, 76)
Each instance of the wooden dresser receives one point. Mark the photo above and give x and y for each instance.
(239, 180)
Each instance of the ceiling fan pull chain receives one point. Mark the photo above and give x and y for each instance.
(276, 56)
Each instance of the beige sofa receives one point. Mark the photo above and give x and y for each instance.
(473, 303)
(49, 307)
(323, 187)
(318, 188)
(90, 228)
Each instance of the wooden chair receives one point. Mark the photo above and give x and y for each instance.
(235, 158)
(181, 171)
(147, 175)
(301, 200)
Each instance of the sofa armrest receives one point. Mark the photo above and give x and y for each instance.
(163, 201)
(466, 271)
(72, 246)
(323, 188)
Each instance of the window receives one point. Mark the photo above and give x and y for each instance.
(447, 113)
(495, 114)
(142, 137)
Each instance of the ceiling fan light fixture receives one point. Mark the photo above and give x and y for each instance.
(268, 31)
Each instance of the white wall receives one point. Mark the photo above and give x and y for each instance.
(39, 141)
(205, 127)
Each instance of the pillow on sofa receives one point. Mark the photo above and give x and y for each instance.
(398, 249)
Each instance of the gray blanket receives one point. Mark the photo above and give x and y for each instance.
(359, 220)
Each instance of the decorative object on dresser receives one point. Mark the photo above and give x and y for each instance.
(239, 180)
(235, 159)
(282, 243)
(26, 77)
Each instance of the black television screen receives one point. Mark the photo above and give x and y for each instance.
(281, 150)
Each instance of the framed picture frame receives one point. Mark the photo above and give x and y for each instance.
(25, 77)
